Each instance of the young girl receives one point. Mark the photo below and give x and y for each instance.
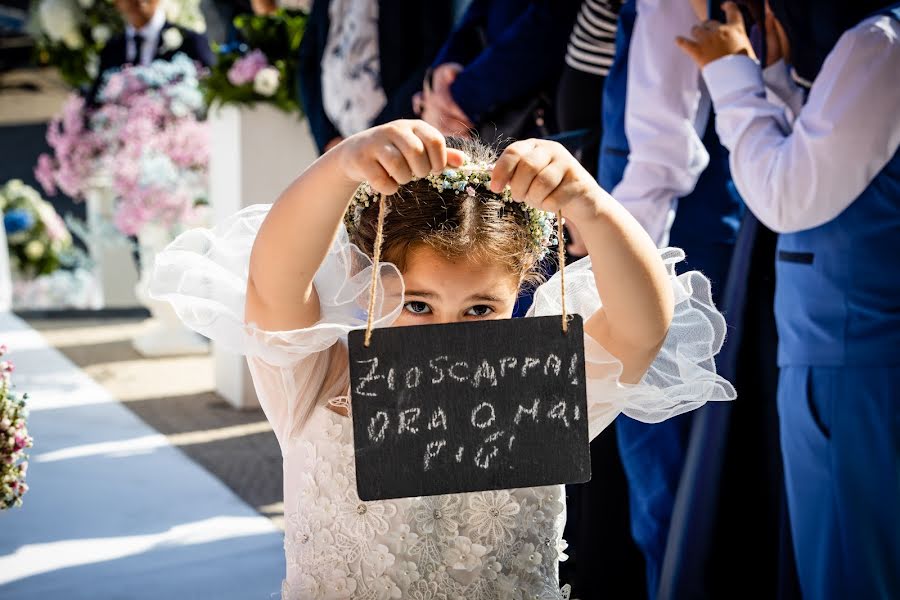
(459, 248)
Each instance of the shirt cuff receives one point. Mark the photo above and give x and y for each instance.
(731, 74)
(777, 75)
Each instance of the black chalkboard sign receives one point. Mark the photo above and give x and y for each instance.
(464, 407)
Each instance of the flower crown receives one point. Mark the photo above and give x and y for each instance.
(467, 179)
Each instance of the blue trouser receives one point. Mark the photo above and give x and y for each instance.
(840, 438)
(653, 454)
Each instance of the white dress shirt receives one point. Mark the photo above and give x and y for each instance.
(666, 110)
(151, 34)
(799, 166)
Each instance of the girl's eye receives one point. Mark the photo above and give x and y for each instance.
(480, 310)
(417, 308)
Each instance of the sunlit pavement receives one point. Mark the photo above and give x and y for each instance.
(117, 509)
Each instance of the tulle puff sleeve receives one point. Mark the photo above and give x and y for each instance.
(682, 377)
(203, 275)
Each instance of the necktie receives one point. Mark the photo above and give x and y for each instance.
(138, 47)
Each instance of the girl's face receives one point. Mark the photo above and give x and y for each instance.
(442, 291)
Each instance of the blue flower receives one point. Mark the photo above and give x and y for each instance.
(17, 220)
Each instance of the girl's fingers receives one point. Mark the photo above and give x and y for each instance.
(392, 160)
(413, 150)
(380, 179)
(544, 183)
(527, 168)
(456, 158)
(434, 143)
(506, 164)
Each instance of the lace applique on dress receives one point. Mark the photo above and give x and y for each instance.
(481, 546)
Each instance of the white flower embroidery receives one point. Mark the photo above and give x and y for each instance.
(338, 584)
(384, 588)
(492, 516)
(407, 574)
(438, 516)
(379, 559)
(402, 538)
(492, 568)
(171, 39)
(307, 587)
(464, 555)
(365, 520)
(529, 558)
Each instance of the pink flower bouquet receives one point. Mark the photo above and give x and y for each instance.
(14, 440)
(146, 137)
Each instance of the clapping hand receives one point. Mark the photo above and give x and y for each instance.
(713, 40)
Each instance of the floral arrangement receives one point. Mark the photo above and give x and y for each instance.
(467, 179)
(261, 68)
(14, 440)
(38, 239)
(146, 139)
(70, 34)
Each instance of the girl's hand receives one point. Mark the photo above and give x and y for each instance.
(714, 40)
(546, 176)
(392, 154)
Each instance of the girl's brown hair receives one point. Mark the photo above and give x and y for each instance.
(456, 224)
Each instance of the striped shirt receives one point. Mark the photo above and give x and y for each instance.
(592, 44)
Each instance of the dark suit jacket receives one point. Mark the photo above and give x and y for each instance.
(511, 49)
(194, 46)
(409, 35)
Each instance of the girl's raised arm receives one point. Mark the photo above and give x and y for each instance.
(631, 278)
(303, 223)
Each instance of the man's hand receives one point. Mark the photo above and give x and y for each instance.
(713, 40)
(777, 45)
(438, 108)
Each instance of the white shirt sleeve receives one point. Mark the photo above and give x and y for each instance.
(781, 89)
(796, 174)
(663, 114)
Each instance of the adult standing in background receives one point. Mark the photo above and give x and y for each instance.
(662, 160)
(499, 68)
(361, 62)
(603, 558)
(814, 142)
(149, 36)
(579, 96)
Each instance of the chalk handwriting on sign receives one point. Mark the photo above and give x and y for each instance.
(464, 407)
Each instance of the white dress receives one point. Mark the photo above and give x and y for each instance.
(474, 546)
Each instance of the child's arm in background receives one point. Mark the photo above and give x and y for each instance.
(631, 279)
(301, 226)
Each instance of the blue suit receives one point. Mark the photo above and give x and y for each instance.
(837, 306)
(705, 226)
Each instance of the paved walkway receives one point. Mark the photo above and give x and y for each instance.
(115, 510)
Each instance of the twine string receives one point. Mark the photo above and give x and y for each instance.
(376, 259)
(561, 253)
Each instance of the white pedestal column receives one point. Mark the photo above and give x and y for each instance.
(111, 252)
(256, 152)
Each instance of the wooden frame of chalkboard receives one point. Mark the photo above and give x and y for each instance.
(464, 407)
